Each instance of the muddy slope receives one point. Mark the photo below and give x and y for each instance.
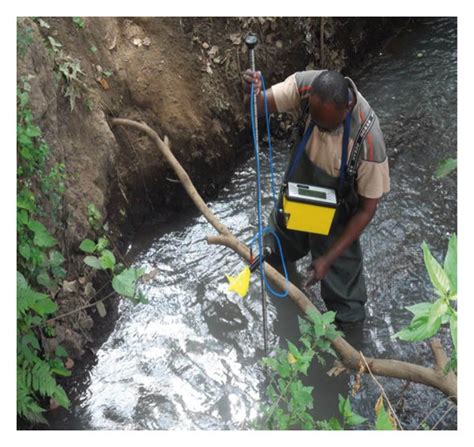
(182, 77)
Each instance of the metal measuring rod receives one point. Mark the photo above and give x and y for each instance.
(251, 42)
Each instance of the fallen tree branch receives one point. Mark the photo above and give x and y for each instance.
(350, 357)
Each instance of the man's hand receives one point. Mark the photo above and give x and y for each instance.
(319, 269)
(250, 76)
(357, 223)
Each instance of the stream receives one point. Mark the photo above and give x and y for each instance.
(190, 358)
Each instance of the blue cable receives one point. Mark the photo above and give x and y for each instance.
(270, 148)
(261, 230)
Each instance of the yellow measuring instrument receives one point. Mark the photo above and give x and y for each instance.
(309, 208)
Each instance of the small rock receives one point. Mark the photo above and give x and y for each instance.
(205, 45)
(112, 44)
(70, 286)
(137, 42)
(235, 38)
(419, 55)
(53, 404)
(147, 41)
(213, 51)
(279, 44)
(147, 277)
(69, 364)
(98, 68)
(209, 69)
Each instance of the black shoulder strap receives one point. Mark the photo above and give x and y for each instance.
(356, 148)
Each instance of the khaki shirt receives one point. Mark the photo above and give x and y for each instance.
(324, 149)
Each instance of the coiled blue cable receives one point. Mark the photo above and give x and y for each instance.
(261, 230)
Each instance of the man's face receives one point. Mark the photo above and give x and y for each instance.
(327, 117)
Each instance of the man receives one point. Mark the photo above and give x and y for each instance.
(324, 99)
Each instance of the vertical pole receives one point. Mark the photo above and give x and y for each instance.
(251, 42)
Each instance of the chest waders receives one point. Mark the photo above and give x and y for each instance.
(343, 288)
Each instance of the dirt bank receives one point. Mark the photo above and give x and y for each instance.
(182, 77)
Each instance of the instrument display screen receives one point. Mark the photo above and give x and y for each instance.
(312, 193)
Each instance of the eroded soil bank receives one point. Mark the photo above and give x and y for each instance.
(181, 76)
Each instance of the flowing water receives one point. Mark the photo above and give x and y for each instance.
(189, 359)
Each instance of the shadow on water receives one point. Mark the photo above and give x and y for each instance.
(189, 359)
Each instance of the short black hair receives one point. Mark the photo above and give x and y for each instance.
(331, 86)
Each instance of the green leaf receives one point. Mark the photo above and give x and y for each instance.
(21, 282)
(438, 277)
(87, 246)
(22, 217)
(142, 297)
(345, 409)
(328, 317)
(42, 238)
(453, 326)
(79, 22)
(293, 349)
(451, 263)
(420, 309)
(25, 251)
(383, 421)
(439, 308)
(344, 406)
(419, 329)
(331, 424)
(355, 419)
(125, 282)
(445, 167)
(44, 305)
(284, 368)
(107, 260)
(24, 204)
(93, 262)
(301, 395)
(60, 351)
(56, 258)
(44, 280)
(102, 243)
(304, 326)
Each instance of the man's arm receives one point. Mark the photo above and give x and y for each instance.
(353, 230)
(247, 79)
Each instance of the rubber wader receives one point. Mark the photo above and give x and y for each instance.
(343, 288)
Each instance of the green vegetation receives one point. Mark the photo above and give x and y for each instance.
(79, 22)
(24, 38)
(446, 167)
(429, 317)
(124, 280)
(41, 266)
(290, 400)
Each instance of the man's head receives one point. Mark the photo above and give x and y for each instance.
(328, 103)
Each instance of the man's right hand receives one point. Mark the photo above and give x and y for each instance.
(250, 76)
